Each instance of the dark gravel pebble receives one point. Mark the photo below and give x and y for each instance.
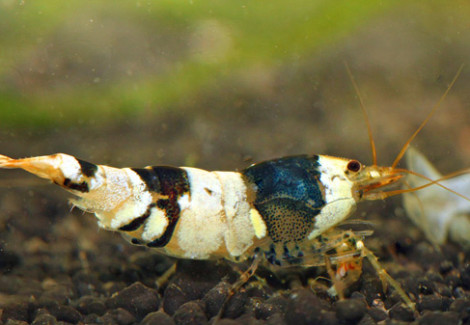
(228, 321)
(8, 260)
(137, 299)
(372, 288)
(273, 305)
(452, 279)
(465, 277)
(445, 266)
(430, 303)
(173, 297)
(190, 313)
(377, 314)
(462, 307)
(439, 318)
(15, 322)
(152, 263)
(236, 304)
(10, 284)
(328, 318)
(425, 287)
(181, 291)
(459, 292)
(304, 307)
(157, 318)
(276, 319)
(249, 318)
(87, 284)
(443, 290)
(402, 313)
(351, 310)
(366, 320)
(91, 305)
(44, 318)
(217, 296)
(65, 313)
(92, 319)
(193, 281)
(17, 311)
(434, 277)
(61, 292)
(119, 316)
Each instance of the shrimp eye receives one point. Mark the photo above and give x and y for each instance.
(354, 166)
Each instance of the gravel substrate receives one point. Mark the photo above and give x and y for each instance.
(59, 268)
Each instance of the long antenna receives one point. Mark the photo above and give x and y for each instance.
(366, 117)
(438, 104)
(431, 182)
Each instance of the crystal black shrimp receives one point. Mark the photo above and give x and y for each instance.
(196, 214)
(283, 209)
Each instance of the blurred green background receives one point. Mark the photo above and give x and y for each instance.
(221, 84)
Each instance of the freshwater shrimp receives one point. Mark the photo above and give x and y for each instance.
(283, 210)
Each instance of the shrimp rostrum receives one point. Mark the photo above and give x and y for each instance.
(279, 208)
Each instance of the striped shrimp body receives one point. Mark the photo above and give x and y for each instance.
(284, 210)
(280, 206)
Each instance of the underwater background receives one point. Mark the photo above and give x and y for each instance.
(221, 85)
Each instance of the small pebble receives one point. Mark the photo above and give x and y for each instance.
(183, 289)
(119, 316)
(459, 292)
(8, 260)
(227, 321)
(91, 305)
(425, 287)
(366, 320)
(452, 279)
(18, 311)
(434, 276)
(351, 310)
(44, 318)
(377, 314)
(329, 318)
(137, 299)
(236, 304)
(157, 318)
(465, 277)
(62, 293)
(15, 322)
(439, 318)
(215, 298)
(462, 307)
(65, 313)
(304, 307)
(402, 313)
(430, 303)
(155, 264)
(445, 267)
(92, 319)
(372, 288)
(248, 318)
(173, 297)
(87, 284)
(275, 319)
(274, 305)
(443, 290)
(190, 313)
(10, 284)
